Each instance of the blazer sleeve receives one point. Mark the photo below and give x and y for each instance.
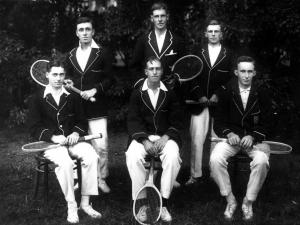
(135, 124)
(39, 130)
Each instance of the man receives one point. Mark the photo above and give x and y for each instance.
(154, 120)
(217, 66)
(88, 69)
(56, 116)
(243, 116)
(159, 42)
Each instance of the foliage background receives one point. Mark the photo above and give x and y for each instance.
(29, 30)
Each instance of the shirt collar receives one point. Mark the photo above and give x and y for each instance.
(49, 90)
(161, 86)
(93, 45)
(245, 89)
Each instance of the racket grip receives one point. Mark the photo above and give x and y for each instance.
(90, 137)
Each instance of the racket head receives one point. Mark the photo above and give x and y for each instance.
(187, 67)
(147, 205)
(38, 72)
(38, 146)
(279, 148)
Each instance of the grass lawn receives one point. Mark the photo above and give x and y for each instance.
(277, 204)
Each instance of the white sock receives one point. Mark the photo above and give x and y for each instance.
(85, 200)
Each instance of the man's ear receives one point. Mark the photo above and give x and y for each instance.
(93, 32)
(254, 73)
(236, 72)
(151, 18)
(205, 34)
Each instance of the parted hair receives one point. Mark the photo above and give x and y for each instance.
(84, 19)
(55, 62)
(159, 5)
(245, 58)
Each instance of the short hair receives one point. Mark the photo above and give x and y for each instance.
(152, 59)
(213, 22)
(55, 62)
(244, 58)
(84, 19)
(159, 5)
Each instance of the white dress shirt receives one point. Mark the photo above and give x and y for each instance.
(153, 94)
(160, 40)
(82, 56)
(56, 95)
(214, 52)
(244, 95)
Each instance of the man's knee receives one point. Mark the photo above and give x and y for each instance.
(260, 159)
(217, 157)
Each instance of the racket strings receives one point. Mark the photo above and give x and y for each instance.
(38, 71)
(188, 67)
(147, 206)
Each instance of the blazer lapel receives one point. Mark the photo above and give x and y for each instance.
(237, 99)
(146, 100)
(50, 101)
(160, 100)
(74, 61)
(251, 99)
(62, 101)
(167, 43)
(92, 58)
(221, 56)
(205, 55)
(153, 43)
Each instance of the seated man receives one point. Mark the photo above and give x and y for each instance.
(242, 116)
(154, 120)
(57, 116)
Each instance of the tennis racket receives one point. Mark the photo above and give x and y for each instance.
(187, 67)
(148, 202)
(40, 146)
(38, 73)
(277, 148)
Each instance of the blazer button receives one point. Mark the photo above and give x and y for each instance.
(60, 126)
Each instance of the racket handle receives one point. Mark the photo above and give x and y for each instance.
(92, 99)
(90, 137)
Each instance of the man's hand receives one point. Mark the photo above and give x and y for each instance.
(59, 139)
(69, 83)
(214, 99)
(247, 142)
(72, 138)
(203, 100)
(160, 143)
(233, 139)
(88, 93)
(149, 147)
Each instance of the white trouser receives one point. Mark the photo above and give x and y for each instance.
(170, 158)
(259, 167)
(97, 126)
(199, 127)
(60, 156)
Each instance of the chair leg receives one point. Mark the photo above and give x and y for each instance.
(79, 175)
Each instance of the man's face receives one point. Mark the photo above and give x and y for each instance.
(154, 71)
(56, 77)
(159, 18)
(213, 34)
(245, 73)
(85, 32)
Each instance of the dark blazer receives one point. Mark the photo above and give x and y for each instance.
(143, 120)
(230, 115)
(146, 46)
(46, 118)
(211, 77)
(96, 75)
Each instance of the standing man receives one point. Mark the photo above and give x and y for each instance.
(243, 116)
(217, 67)
(154, 120)
(88, 70)
(159, 42)
(56, 116)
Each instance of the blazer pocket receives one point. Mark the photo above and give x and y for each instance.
(223, 71)
(255, 113)
(96, 71)
(164, 110)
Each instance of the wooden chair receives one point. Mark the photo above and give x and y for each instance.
(43, 168)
